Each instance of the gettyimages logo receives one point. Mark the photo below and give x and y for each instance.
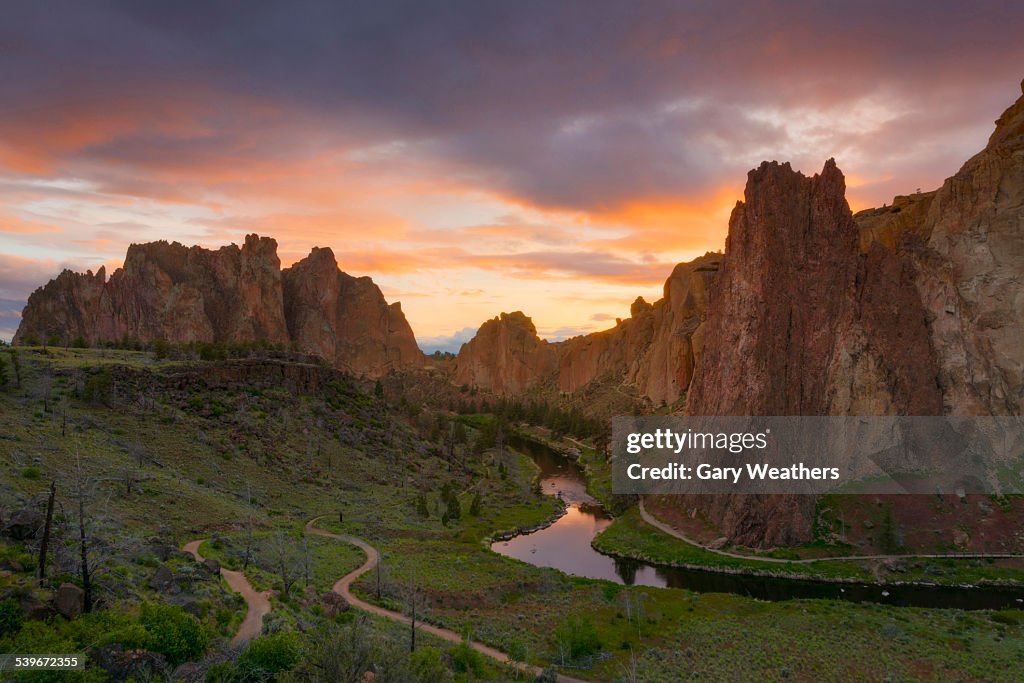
(817, 455)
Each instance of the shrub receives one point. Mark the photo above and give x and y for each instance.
(175, 633)
(269, 655)
(578, 637)
(10, 617)
(467, 660)
(30, 473)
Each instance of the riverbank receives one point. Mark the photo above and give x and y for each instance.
(631, 537)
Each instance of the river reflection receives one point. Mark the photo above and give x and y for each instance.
(565, 545)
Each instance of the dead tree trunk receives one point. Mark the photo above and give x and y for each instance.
(45, 543)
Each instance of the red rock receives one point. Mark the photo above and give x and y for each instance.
(188, 294)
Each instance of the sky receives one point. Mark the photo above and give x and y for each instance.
(471, 157)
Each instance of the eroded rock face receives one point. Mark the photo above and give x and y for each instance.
(505, 356)
(190, 294)
(800, 322)
(345, 319)
(652, 353)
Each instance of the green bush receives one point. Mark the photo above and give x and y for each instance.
(10, 617)
(467, 660)
(578, 636)
(269, 655)
(175, 633)
(31, 473)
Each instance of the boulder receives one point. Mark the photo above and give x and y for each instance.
(162, 579)
(333, 604)
(213, 566)
(69, 601)
(25, 524)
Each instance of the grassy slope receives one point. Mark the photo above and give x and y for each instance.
(221, 449)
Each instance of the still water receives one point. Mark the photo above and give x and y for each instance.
(565, 545)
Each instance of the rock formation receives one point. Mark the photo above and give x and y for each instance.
(345, 319)
(230, 295)
(913, 309)
(505, 356)
(652, 353)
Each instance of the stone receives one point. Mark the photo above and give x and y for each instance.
(718, 543)
(213, 566)
(333, 604)
(162, 579)
(25, 524)
(69, 601)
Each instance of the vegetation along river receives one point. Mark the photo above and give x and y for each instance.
(565, 545)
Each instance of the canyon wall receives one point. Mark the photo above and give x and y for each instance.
(651, 354)
(229, 295)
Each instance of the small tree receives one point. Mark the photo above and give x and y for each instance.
(286, 562)
(474, 507)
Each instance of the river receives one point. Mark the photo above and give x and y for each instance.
(565, 545)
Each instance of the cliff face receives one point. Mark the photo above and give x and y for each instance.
(652, 353)
(655, 350)
(186, 294)
(505, 356)
(800, 322)
(345, 319)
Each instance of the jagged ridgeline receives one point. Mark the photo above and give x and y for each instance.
(167, 291)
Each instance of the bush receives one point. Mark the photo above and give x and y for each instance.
(269, 655)
(10, 617)
(175, 633)
(578, 637)
(467, 660)
(30, 473)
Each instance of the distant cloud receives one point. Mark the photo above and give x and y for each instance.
(450, 343)
(10, 318)
(601, 317)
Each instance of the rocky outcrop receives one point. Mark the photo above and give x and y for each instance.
(970, 275)
(229, 295)
(655, 350)
(505, 356)
(166, 291)
(652, 353)
(800, 322)
(345, 319)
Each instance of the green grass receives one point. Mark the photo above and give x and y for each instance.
(214, 458)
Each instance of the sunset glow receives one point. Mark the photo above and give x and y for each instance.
(493, 188)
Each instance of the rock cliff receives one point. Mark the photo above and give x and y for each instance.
(651, 354)
(345, 319)
(232, 294)
(505, 356)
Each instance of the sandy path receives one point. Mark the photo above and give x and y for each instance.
(672, 531)
(258, 603)
(343, 588)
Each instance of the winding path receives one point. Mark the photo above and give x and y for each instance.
(672, 531)
(343, 588)
(258, 603)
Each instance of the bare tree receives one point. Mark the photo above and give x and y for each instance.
(44, 545)
(285, 561)
(416, 604)
(82, 486)
(249, 536)
(46, 387)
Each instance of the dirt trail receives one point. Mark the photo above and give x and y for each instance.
(672, 531)
(343, 588)
(258, 603)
